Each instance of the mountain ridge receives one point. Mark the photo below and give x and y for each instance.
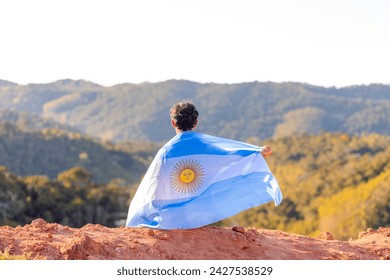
(128, 111)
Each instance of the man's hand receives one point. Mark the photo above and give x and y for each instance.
(266, 151)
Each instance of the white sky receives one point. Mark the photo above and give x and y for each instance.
(325, 42)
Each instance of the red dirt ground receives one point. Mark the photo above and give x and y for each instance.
(42, 240)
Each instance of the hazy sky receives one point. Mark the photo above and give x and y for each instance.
(329, 43)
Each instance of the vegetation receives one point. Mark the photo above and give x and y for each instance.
(7, 256)
(51, 151)
(71, 199)
(330, 182)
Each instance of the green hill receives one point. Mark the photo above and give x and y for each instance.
(330, 182)
(266, 110)
(51, 151)
(72, 198)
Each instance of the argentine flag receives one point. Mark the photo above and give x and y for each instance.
(197, 179)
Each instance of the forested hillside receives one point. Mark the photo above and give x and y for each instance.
(266, 110)
(72, 198)
(51, 151)
(330, 182)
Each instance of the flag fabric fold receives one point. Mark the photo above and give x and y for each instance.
(197, 179)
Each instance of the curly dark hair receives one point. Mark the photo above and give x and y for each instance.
(185, 115)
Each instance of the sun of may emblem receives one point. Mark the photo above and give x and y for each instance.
(187, 176)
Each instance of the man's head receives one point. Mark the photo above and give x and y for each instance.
(184, 116)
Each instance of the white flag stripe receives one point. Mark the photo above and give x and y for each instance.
(216, 168)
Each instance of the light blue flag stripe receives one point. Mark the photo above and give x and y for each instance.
(206, 144)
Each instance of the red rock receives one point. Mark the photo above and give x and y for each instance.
(325, 235)
(38, 223)
(239, 229)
